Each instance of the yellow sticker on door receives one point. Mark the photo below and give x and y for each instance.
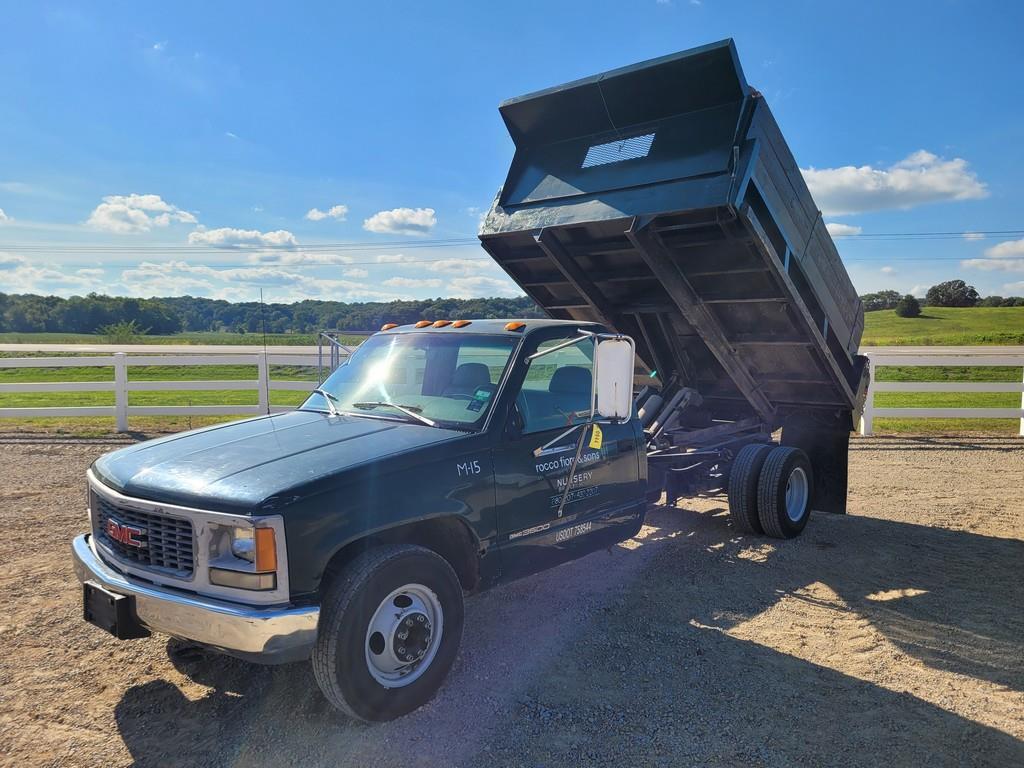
(596, 438)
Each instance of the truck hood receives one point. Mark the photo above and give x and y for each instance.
(238, 467)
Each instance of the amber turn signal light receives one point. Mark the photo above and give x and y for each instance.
(442, 323)
(422, 323)
(388, 326)
(266, 550)
(461, 323)
(514, 326)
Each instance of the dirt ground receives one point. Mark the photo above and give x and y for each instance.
(890, 636)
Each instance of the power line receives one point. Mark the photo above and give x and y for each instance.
(437, 243)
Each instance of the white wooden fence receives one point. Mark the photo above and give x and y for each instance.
(942, 356)
(122, 385)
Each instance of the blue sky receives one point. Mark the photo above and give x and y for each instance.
(157, 149)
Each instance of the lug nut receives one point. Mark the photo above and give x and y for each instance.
(401, 650)
(403, 634)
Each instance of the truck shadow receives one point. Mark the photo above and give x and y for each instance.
(949, 599)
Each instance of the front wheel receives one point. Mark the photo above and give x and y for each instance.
(390, 627)
(784, 491)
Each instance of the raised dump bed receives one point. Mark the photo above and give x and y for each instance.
(661, 200)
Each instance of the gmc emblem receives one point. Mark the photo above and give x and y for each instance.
(125, 534)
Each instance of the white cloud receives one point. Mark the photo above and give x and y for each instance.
(178, 277)
(128, 214)
(411, 282)
(1014, 288)
(919, 291)
(160, 45)
(89, 272)
(229, 237)
(299, 257)
(20, 275)
(921, 177)
(230, 135)
(355, 272)
(1010, 248)
(836, 229)
(338, 212)
(451, 265)
(402, 221)
(887, 270)
(973, 236)
(479, 286)
(4, 217)
(1007, 256)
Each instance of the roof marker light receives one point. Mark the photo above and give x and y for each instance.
(442, 323)
(461, 323)
(388, 326)
(422, 324)
(514, 326)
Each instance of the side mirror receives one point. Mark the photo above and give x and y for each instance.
(613, 366)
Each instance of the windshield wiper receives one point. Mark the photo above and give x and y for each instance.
(408, 410)
(329, 399)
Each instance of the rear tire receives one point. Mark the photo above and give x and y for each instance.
(360, 660)
(784, 492)
(743, 481)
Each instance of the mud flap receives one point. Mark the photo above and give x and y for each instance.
(828, 448)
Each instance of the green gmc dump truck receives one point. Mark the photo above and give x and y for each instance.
(702, 339)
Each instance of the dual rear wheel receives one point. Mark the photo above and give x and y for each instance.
(770, 489)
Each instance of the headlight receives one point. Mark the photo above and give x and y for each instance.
(243, 544)
(243, 557)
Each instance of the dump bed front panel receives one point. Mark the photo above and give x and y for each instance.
(691, 229)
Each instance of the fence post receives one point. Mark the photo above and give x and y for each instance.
(1022, 415)
(263, 382)
(121, 391)
(867, 417)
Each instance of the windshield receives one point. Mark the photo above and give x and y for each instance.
(446, 378)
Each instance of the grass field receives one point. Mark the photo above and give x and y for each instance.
(938, 326)
(946, 326)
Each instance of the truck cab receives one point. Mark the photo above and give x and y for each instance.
(441, 459)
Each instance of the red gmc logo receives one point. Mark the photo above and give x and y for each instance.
(125, 534)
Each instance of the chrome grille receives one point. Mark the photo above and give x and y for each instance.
(168, 541)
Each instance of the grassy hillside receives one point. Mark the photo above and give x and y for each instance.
(946, 326)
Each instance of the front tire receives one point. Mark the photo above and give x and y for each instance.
(784, 492)
(390, 627)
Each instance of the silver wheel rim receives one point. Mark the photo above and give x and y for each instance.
(403, 636)
(796, 494)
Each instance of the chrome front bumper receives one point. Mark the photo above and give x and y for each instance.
(267, 635)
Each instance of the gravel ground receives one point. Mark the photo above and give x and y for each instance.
(890, 636)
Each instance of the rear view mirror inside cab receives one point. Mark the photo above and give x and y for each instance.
(613, 367)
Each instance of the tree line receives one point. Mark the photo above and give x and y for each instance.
(952, 293)
(29, 313)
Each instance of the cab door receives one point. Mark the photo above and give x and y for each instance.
(601, 507)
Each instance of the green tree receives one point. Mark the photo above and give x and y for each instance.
(952, 293)
(880, 300)
(908, 307)
(122, 332)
